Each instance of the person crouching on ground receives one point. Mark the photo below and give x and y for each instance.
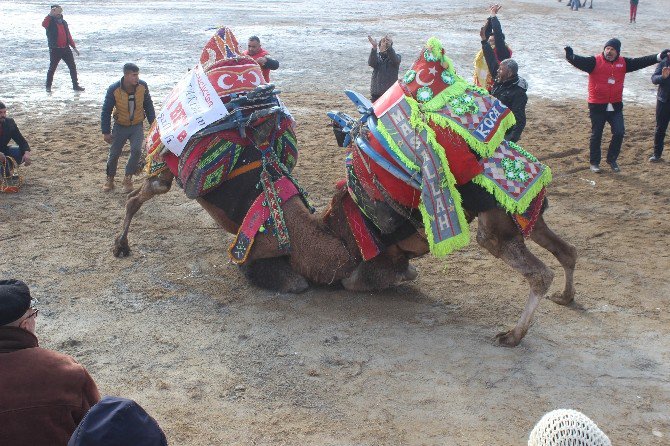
(130, 102)
(607, 72)
(508, 87)
(44, 395)
(10, 132)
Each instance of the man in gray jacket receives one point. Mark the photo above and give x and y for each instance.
(661, 77)
(385, 63)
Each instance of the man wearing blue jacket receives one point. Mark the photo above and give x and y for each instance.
(129, 101)
(661, 77)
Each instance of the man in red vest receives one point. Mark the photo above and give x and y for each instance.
(607, 71)
(261, 56)
(60, 41)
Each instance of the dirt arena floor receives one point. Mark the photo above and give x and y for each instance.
(216, 361)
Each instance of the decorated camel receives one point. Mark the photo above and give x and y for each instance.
(402, 198)
(227, 139)
(422, 162)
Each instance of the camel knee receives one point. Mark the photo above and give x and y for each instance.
(489, 242)
(570, 257)
(515, 253)
(540, 280)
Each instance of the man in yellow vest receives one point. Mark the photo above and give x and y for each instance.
(129, 101)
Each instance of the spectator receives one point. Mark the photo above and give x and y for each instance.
(508, 87)
(661, 77)
(633, 10)
(43, 394)
(10, 132)
(130, 102)
(118, 421)
(385, 63)
(261, 56)
(493, 34)
(607, 72)
(60, 41)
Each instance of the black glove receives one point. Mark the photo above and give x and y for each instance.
(663, 54)
(568, 52)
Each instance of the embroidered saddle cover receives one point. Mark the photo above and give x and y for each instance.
(212, 155)
(433, 130)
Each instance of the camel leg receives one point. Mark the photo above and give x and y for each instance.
(564, 252)
(150, 188)
(275, 274)
(498, 234)
(388, 269)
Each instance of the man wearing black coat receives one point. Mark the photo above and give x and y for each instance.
(60, 41)
(385, 63)
(10, 132)
(661, 77)
(509, 88)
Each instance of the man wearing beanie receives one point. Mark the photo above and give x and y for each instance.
(43, 394)
(607, 71)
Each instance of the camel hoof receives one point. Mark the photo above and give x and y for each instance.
(121, 248)
(275, 274)
(297, 285)
(562, 298)
(507, 339)
(409, 274)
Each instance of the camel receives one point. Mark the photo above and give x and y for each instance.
(315, 253)
(377, 185)
(239, 166)
(325, 250)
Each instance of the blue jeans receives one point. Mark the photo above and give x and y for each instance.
(16, 154)
(598, 120)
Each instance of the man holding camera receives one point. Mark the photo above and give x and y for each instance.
(60, 41)
(385, 64)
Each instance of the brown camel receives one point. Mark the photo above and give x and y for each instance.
(324, 251)
(496, 232)
(315, 254)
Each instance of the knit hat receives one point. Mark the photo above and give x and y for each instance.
(14, 300)
(614, 43)
(117, 421)
(563, 427)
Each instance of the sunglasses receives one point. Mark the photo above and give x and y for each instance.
(33, 305)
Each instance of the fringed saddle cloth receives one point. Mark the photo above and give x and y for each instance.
(254, 118)
(432, 131)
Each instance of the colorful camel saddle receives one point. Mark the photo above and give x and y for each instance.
(215, 114)
(429, 133)
(201, 143)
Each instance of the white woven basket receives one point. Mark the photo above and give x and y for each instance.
(567, 427)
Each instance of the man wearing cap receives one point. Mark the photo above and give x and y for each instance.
(607, 71)
(60, 40)
(507, 86)
(43, 394)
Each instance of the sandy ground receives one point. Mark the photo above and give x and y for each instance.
(217, 361)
